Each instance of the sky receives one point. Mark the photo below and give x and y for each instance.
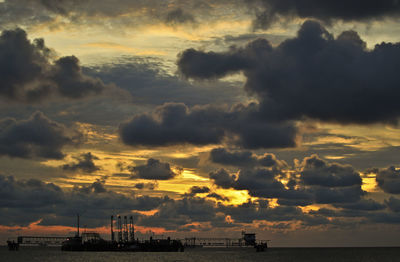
(202, 118)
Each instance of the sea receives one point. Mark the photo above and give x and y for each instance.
(43, 254)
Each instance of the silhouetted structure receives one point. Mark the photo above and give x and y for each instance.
(41, 240)
(92, 241)
(131, 229)
(247, 240)
(119, 229)
(126, 229)
(112, 229)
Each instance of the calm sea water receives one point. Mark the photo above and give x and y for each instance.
(217, 255)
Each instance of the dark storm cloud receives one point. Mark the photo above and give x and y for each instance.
(71, 83)
(153, 169)
(316, 182)
(26, 201)
(330, 183)
(31, 193)
(84, 163)
(175, 214)
(388, 180)
(223, 178)
(312, 75)
(28, 74)
(200, 65)
(269, 11)
(175, 123)
(259, 182)
(250, 211)
(243, 158)
(318, 172)
(37, 136)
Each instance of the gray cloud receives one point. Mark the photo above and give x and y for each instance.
(318, 172)
(175, 123)
(301, 190)
(153, 169)
(37, 136)
(26, 201)
(28, 74)
(96, 187)
(84, 163)
(259, 182)
(223, 178)
(201, 65)
(312, 75)
(70, 81)
(393, 203)
(194, 190)
(251, 211)
(243, 158)
(175, 214)
(388, 180)
(145, 77)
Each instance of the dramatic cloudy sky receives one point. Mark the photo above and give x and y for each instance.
(202, 118)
